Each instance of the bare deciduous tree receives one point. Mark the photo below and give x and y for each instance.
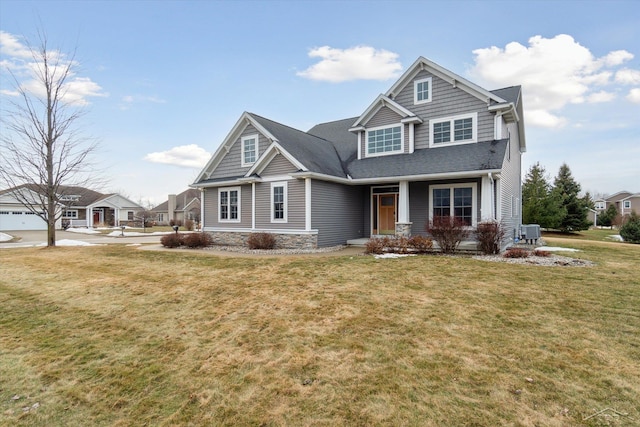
(42, 149)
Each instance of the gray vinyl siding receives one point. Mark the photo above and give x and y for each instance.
(385, 117)
(232, 161)
(279, 165)
(446, 101)
(295, 206)
(210, 201)
(337, 212)
(510, 178)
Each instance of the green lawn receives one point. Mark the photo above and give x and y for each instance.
(114, 335)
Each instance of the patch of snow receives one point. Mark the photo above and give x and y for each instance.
(555, 249)
(119, 233)
(67, 242)
(387, 256)
(4, 237)
(134, 244)
(616, 237)
(82, 230)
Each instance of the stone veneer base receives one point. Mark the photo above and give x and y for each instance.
(283, 241)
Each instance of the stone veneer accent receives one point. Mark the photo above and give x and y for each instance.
(403, 229)
(283, 241)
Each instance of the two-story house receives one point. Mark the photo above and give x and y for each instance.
(435, 144)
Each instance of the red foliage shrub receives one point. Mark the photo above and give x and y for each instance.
(516, 253)
(490, 235)
(542, 253)
(197, 240)
(420, 243)
(172, 240)
(448, 232)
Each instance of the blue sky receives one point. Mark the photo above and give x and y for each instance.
(165, 81)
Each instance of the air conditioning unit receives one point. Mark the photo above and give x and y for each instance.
(530, 233)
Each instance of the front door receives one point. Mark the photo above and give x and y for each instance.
(386, 213)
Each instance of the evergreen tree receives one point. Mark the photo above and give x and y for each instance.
(606, 218)
(540, 205)
(576, 209)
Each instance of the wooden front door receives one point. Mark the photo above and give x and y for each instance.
(387, 213)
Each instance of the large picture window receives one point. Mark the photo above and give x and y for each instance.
(384, 140)
(279, 202)
(229, 204)
(249, 150)
(456, 200)
(453, 130)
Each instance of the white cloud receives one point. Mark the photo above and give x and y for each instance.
(554, 72)
(628, 76)
(356, 63)
(26, 66)
(634, 95)
(190, 156)
(601, 96)
(129, 100)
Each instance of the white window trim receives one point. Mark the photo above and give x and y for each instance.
(229, 189)
(626, 204)
(452, 119)
(285, 202)
(385, 153)
(415, 91)
(474, 199)
(67, 211)
(242, 141)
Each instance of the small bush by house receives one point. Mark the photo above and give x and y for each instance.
(197, 240)
(261, 241)
(448, 232)
(490, 235)
(516, 253)
(172, 240)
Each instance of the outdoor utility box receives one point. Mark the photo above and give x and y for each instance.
(530, 233)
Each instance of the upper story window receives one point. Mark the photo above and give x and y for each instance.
(279, 202)
(422, 91)
(229, 204)
(599, 205)
(385, 140)
(627, 204)
(249, 149)
(461, 129)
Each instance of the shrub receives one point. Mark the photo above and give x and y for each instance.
(261, 241)
(197, 240)
(543, 254)
(490, 235)
(448, 232)
(188, 225)
(172, 240)
(374, 246)
(630, 231)
(516, 253)
(420, 243)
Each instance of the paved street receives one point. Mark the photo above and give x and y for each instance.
(35, 238)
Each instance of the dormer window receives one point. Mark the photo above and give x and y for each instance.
(422, 91)
(249, 149)
(454, 130)
(384, 140)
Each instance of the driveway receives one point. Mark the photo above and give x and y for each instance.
(36, 238)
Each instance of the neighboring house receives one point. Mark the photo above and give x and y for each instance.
(80, 207)
(624, 201)
(434, 144)
(179, 208)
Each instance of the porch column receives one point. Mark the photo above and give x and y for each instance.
(307, 204)
(486, 202)
(89, 216)
(403, 226)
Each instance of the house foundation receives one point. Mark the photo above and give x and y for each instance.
(283, 241)
(403, 229)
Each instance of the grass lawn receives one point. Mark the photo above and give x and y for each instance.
(113, 335)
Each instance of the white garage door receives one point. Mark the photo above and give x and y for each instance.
(21, 220)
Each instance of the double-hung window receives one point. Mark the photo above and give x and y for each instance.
(461, 129)
(70, 213)
(384, 140)
(454, 200)
(249, 149)
(279, 202)
(627, 204)
(422, 91)
(229, 204)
